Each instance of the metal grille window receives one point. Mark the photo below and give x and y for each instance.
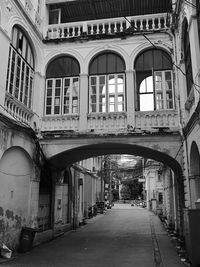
(20, 71)
(107, 84)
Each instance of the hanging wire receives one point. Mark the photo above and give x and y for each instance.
(190, 4)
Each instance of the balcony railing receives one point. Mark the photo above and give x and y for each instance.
(56, 123)
(107, 122)
(112, 27)
(156, 119)
(17, 109)
(113, 122)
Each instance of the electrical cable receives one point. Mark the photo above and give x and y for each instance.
(190, 4)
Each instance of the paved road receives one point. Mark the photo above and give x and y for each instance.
(124, 237)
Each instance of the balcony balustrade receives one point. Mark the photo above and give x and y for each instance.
(60, 123)
(156, 119)
(114, 26)
(107, 122)
(17, 109)
(113, 122)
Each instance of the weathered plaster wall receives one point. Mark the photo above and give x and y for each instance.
(19, 185)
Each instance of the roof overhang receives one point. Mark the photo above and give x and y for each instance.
(81, 10)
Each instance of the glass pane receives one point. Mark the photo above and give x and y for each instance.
(102, 79)
(93, 90)
(111, 108)
(146, 85)
(49, 92)
(93, 108)
(58, 83)
(111, 89)
(158, 81)
(57, 110)
(120, 99)
(168, 85)
(54, 16)
(93, 80)
(111, 79)
(146, 102)
(66, 91)
(49, 83)
(93, 99)
(57, 92)
(57, 101)
(120, 107)
(67, 82)
(66, 109)
(120, 88)
(168, 75)
(48, 110)
(49, 100)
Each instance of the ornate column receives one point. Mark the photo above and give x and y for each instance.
(130, 96)
(83, 96)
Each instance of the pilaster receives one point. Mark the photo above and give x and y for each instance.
(130, 96)
(83, 96)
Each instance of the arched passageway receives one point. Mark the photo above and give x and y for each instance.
(194, 174)
(67, 158)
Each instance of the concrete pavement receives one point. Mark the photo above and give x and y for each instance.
(123, 237)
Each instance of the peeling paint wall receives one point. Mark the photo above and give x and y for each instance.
(18, 195)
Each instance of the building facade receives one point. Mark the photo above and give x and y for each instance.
(83, 79)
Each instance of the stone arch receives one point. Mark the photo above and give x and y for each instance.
(194, 173)
(66, 158)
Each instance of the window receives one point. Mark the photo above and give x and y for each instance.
(107, 84)
(187, 57)
(54, 16)
(62, 87)
(154, 81)
(20, 71)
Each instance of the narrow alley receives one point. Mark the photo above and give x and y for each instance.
(121, 237)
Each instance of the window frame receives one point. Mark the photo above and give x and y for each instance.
(163, 91)
(108, 94)
(62, 96)
(23, 92)
(59, 15)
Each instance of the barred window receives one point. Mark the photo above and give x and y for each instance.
(20, 71)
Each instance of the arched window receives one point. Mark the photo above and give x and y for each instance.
(62, 86)
(20, 68)
(107, 83)
(187, 57)
(154, 80)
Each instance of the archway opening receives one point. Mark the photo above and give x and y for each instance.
(171, 170)
(194, 174)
